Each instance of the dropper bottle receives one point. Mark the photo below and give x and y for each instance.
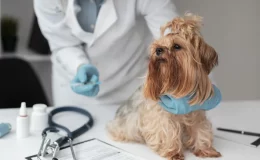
(22, 122)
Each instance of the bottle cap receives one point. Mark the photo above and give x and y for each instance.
(39, 107)
(23, 111)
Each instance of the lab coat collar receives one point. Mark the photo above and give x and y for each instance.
(106, 18)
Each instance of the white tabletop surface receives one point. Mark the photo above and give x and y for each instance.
(234, 115)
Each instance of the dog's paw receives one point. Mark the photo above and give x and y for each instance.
(210, 152)
(177, 157)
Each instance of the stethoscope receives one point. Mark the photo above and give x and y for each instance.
(52, 141)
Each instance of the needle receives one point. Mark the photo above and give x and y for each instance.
(81, 84)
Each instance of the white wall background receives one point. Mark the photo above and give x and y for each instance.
(231, 27)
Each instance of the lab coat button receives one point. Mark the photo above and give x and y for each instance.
(77, 8)
(57, 10)
(92, 26)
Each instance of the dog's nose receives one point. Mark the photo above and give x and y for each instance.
(159, 51)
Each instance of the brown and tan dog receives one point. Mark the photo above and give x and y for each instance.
(180, 63)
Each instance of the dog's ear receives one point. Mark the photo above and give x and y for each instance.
(208, 56)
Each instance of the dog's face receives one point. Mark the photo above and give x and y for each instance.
(180, 62)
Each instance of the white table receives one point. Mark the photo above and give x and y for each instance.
(234, 115)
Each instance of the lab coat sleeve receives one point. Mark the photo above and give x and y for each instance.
(156, 13)
(67, 50)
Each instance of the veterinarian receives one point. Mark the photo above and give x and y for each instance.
(102, 41)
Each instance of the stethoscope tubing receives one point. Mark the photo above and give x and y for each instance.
(54, 127)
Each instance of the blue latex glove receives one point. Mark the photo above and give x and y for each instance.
(86, 81)
(181, 105)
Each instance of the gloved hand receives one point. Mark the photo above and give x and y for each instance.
(181, 105)
(86, 81)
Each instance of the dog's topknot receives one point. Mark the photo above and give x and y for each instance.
(193, 19)
(186, 25)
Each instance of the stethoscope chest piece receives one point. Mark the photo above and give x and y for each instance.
(49, 144)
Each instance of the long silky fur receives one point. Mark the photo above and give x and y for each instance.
(179, 73)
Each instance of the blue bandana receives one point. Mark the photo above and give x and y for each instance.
(181, 105)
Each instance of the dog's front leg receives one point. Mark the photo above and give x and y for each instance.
(200, 135)
(162, 133)
(167, 144)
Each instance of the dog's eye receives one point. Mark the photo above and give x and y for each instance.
(159, 51)
(177, 47)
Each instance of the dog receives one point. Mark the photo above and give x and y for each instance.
(180, 63)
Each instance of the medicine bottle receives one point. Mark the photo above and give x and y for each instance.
(39, 118)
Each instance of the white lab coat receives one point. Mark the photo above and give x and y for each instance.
(118, 47)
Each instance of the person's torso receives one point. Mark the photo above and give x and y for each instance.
(118, 46)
